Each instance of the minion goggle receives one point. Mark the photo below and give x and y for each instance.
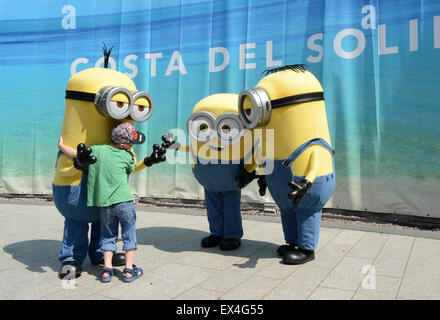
(259, 114)
(118, 103)
(203, 126)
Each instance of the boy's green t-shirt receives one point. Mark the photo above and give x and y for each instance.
(107, 181)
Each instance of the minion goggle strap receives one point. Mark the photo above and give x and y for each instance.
(259, 114)
(116, 109)
(203, 126)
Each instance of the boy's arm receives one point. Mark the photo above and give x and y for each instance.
(68, 151)
(132, 167)
(134, 155)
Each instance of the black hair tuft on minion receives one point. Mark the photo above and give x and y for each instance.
(293, 67)
(106, 53)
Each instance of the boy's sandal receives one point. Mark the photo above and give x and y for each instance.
(135, 273)
(108, 271)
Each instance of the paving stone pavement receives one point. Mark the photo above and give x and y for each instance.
(350, 264)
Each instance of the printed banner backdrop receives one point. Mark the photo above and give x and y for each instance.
(378, 62)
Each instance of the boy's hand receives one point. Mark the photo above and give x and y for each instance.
(60, 142)
(83, 159)
(131, 150)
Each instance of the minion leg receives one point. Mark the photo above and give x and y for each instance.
(95, 252)
(224, 216)
(214, 211)
(309, 223)
(233, 227)
(290, 226)
(75, 241)
(309, 211)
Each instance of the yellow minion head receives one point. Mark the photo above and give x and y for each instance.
(216, 131)
(289, 101)
(97, 99)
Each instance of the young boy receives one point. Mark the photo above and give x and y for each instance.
(108, 189)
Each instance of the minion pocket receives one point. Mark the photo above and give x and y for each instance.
(321, 191)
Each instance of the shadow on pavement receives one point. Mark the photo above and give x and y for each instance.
(173, 239)
(36, 254)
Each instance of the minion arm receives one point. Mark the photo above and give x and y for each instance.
(158, 154)
(313, 166)
(139, 166)
(250, 167)
(184, 148)
(68, 169)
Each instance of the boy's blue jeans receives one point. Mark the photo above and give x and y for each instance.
(120, 213)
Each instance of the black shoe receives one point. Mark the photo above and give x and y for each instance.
(284, 248)
(211, 241)
(298, 256)
(69, 270)
(118, 260)
(230, 244)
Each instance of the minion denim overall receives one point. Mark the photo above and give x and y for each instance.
(301, 223)
(222, 196)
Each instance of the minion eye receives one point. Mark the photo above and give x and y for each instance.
(229, 128)
(200, 126)
(142, 108)
(118, 109)
(254, 107)
(139, 113)
(226, 128)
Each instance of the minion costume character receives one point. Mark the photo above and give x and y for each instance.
(97, 99)
(222, 164)
(290, 101)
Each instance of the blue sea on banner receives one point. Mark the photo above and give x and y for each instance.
(382, 110)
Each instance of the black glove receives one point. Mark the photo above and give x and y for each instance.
(262, 184)
(299, 190)
(157, 156)
(245, 177)
(83, 158)
(169, 142)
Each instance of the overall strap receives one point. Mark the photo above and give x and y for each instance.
(304, 146)
(58, 155)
